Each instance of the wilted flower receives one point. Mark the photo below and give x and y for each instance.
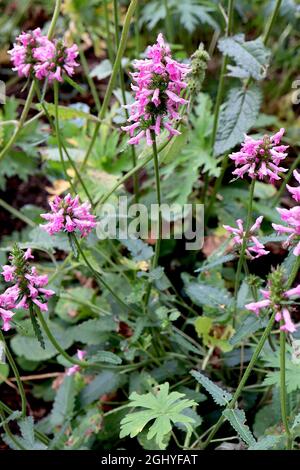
(260, 158)
(28, 287)
(159, 81)
(69, 215)
(253, 251)
(276, 298)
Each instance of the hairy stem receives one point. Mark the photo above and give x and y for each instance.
(243, 380)
(283, 389)
(16, 374)
(158, 196)
(122, 85)
(244, 244)
(99, 277)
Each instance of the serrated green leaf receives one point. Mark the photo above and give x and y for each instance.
(214, 264)
(64, 402)
(250, 325)
(238, 114)
(13, 416)
(266, 443)
(237, 420)
(105, 382)
(105, 356)
(36, 327)
(220, 396)
(250, 56)
(203, 294)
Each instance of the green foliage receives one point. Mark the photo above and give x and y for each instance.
(64, 402)
(105, 382)
(237, 420)
(292, 372)
(27, 441)
(251, 57)
(220, 396)
(238, 114)
(266, 443)
(161, 406)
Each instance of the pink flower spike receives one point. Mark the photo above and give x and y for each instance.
(260, 158)
(158, 83)
(69, 215)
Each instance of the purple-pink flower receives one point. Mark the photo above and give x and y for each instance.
(67, 214)
(28, 287)
(53, 59)
(76, 368)
(159, 80)
(253, 251)
(36, 55)
(260, 158)
(282, 312)
(292, 218)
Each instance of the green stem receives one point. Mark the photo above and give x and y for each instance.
(16, 374)
(109, 46)
(128, 175)
(244, 378)
(217, 186)
(89, 79)
(169, 26)
(137, 32)
(158, 196)
(56, 344)
(100, 278)
(122, 85)
(219, 99)
(255, 356)
(265, 40)
(9, 433)
(113, 77)
(285, 181)
(244, 244)
(57, 131)
(42, 437)
(294, 272)
(222, 75)
(31, 90)
(283, 389)
(17, 213)
(61, 146)
(271, 22)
